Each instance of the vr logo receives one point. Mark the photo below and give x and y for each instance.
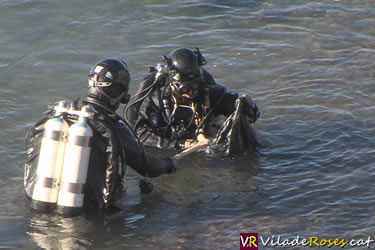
(248, 241)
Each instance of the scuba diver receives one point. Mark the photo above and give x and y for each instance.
(78, 152)
(179, 100)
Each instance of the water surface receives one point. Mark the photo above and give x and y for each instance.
(308, 64)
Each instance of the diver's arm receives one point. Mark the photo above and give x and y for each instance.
(148, 165)
(158, 166)
(222, 101)
(225, 103)
(144, 163)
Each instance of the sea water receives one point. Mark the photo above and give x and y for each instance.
(309, 65)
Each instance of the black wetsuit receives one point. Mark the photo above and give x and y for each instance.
(161, 120)
(113, 147)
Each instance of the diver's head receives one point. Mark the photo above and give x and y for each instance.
(109, 83)
(185, 72)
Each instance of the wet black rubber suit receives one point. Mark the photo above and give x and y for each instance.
(156, 121)
(113, 147)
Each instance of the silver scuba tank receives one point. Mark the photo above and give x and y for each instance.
(75, 167)
(50, 163)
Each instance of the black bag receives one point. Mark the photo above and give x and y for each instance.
(236, 135)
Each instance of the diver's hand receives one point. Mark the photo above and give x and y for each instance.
(202, 139)
(188, 143)
(250, 109)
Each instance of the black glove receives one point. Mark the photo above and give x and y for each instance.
(250, 109)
